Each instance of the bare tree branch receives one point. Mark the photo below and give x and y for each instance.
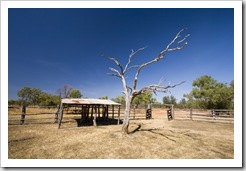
(130, 56)
(161, 55)
(117, 63)
(115, 70)
(111, 74)
(134, 66)
(156, 88)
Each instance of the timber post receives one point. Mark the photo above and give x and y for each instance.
(23, 115)
(98, 111)
(148, 112)
(169, 114)
(134, 111)
(107, 111)
(112, 111)
(56, 114)
(60, 116)
(190, 113)
(94, 120)
(213, 114)
(118, 115)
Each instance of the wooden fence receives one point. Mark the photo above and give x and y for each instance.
(30, 115)
(222, 115)
(49, 115)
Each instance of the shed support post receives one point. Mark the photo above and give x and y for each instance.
(112, 111)
(98, 111)
(94, 120)
(88, 112)
(60, 116)
(118, 115)
(92, 111)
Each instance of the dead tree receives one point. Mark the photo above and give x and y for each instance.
(64, 91)
(131, 92)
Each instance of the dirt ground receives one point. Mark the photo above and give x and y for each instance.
(158, 138)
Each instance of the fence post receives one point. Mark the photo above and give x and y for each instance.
(172, 112)
(190, 113)
(134, 111)
(213, 114)
(148, 112)
(169, 114)
(56, 114)
(23, 115)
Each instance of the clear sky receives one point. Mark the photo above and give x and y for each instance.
(49, 48)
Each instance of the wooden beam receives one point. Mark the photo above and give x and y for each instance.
(60, 116)
(118, 115)
(94, 120)
(98, 110)
(113, 111)
(107, 111)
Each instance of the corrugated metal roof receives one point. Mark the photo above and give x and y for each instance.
(89, 101)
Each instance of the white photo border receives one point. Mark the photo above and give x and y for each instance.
(236, 162)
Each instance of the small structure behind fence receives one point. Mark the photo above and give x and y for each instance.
(170, 111)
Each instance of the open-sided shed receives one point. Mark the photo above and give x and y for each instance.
(91, 109)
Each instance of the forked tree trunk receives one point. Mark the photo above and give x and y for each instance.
(126, 121)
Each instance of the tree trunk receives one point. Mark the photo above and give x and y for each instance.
(126, 116)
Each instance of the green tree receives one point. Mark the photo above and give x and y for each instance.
(208, 93)
(75, 94)
(104, 97)
(46, 99)
(24, 95)
(13, 102)
(182, 104)
(169, 100)
(29, 96)
(33, 96)
(119, 99)
(143, 99)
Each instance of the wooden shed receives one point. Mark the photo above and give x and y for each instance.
(91, 109)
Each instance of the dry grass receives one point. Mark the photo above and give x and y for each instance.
(158, 138)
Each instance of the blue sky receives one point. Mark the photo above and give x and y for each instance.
(49, 48)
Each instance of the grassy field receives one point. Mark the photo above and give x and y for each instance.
(158, 138)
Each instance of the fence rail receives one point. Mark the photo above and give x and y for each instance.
(35, 114)
(213, 115)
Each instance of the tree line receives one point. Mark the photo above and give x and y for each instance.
(207, 93)
(35, 96)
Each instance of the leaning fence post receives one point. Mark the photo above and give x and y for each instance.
(190, 113)
(23, 115)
